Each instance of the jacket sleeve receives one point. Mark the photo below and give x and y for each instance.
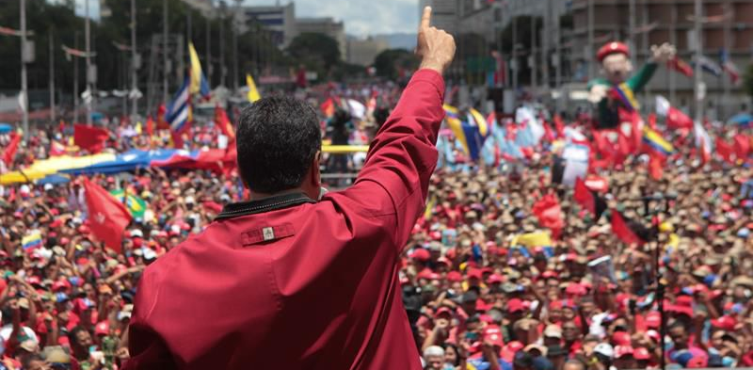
(146, 347)
(640, 79)
(402, 157)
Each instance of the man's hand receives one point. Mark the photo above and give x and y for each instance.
(597, 93)
(435, 47)
(663, 53)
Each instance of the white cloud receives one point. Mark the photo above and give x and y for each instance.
(363, 17)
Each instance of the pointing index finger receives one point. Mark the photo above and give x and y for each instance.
(426, 18)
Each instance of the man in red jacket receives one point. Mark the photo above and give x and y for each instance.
(286, 281)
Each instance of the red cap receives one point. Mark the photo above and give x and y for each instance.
(424, 274)
(653, 320)
(515, 305)
(620, 351)
(727, 323)
(576, 289)
(474, 273)
(494, 278)
(443, 310)
(102, 328)
(435, 235)
(684, 300)
(420, 255)
(555, 305)
(641, 353)
(549, 274)
(698, 362)
(621, 338)
(454, 276)
(612, 48)
(60, 285)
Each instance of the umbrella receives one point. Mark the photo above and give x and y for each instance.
(742, 119)
(5, 128)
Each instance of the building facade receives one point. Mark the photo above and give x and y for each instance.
(363, 52)
(279, 20)
(327, 26)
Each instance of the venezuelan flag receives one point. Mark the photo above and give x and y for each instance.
(625, 94)
(478, 118)
(31, 241)
(653, 141)
(469, 135)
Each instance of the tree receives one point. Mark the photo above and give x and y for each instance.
(317, 51)
(390, 62)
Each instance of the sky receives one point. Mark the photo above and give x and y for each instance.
(361, 17)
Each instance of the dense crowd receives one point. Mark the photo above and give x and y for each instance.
(484, 284)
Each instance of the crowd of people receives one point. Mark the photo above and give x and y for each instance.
(485, 285)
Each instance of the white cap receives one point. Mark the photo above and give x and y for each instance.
(137, 233)
(48, 187)
(605, 349)
(434, 351)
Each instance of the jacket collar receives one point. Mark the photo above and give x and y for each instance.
(272, 203)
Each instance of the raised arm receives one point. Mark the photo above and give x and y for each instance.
(403, 155)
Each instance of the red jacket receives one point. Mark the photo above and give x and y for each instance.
(290, 283)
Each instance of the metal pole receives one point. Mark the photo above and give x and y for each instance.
(164, 52)
(189, 18)
(590, 56)
(728, 50)
(645, 19)
(235, 45)
(631, 26)
(673, 41)
(558, 61)
(134, 62)
(514, 53)
(222, 43)
(52, 78)
(24, 82)
(87, 36)
(208, 50)
(534, 79)
(75, 79)
(545, 43)
(698, 54)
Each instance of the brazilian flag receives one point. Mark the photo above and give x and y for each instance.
(135, 204)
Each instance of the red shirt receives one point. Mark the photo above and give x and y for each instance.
(289, 283)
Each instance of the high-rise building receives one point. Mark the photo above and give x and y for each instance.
(327, 26)
(278, 20)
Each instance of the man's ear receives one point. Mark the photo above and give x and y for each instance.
(316, 175)
(628, 66)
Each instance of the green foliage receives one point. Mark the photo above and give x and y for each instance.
(389, 62)
(317, 51)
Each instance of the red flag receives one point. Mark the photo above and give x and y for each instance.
(588, 199)
(559, 126)
(161, 123)
(548, 211)
(681, 66)
(221, 120)
(56, 149)
(622, 230)
(328, 108)
(677, 119)
(150, 127)
(652, 121)
(9, 153)
(584, 196)
(656, 167)
(724, 150)
(548, 134)
(91, 139)
(742, 147)
(108, 218)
